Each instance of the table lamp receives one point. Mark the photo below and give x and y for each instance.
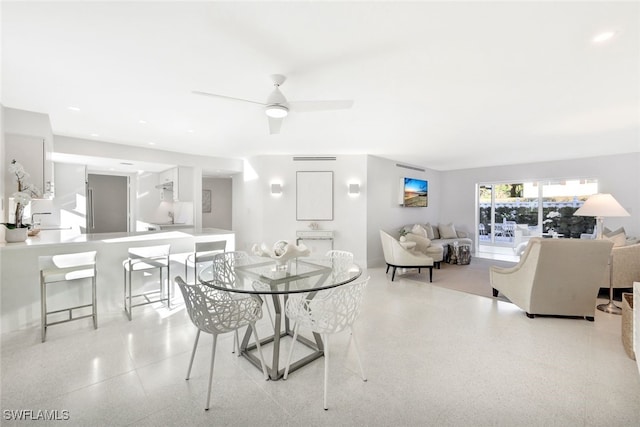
(600, 206)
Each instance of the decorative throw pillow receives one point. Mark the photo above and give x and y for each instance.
(447, 231)
(429, 229)
(434, 231)
(609, 233)
(418, 230)
(618, 237)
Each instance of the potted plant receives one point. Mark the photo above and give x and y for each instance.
(17, 231)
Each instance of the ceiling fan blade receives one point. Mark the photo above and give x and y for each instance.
(274, 125)
(214, 95)
(307, 106)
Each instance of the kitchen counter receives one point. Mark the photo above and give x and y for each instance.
(57, 237)
(19, 273)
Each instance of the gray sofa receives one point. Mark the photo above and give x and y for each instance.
(434, 234)
(432, 239)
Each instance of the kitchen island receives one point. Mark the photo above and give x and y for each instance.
(19, 273)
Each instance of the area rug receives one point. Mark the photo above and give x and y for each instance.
(472, 278)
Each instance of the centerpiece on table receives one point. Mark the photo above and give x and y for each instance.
(17, 231)
(282, 252)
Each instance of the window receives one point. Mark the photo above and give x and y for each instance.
(532, 208)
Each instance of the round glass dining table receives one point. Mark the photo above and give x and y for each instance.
(263, 277)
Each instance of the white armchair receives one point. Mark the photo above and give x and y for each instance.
(555, 277)
(396, 256)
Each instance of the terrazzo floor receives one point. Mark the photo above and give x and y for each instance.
(433, 356)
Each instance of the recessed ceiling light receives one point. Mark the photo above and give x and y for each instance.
(190, 131)
(142, 122)
(94, 134)
(152, 143)
(72, 108)
(603, 37)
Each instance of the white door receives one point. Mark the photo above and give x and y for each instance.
(107, 203)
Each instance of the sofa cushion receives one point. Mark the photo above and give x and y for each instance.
(419, 230)
(434, 231)
(447, 231)
(619, 238)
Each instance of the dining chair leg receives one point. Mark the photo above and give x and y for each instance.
(295, 338)
(193, 354)
(213, 358)
(325, 338)
(259, 348)
(236, 343)
(355, 346)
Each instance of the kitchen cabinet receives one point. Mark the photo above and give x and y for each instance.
(35, 154)
(181, 179)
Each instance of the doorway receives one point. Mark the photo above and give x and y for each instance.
(107, 203)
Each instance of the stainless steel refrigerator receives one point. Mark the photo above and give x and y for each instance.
(107, 203)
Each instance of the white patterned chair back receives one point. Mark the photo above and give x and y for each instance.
(328, 311)
(216, 312)
(224, 267)
(341, 261)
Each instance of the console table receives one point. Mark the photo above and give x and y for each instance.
(314, 235)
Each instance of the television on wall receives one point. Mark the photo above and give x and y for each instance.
(415, 193)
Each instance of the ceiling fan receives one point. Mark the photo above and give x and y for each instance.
(277, 107)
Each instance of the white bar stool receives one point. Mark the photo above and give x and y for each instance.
(144, 259)
(203, 253)
(62, 268)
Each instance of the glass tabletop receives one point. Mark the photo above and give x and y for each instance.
(260, 275)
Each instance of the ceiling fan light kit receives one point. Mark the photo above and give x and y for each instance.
(276, 111)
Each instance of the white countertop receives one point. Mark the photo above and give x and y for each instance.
(57, 237)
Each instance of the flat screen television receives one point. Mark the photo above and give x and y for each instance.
(415, 193)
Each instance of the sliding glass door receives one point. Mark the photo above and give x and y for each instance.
(511, 212)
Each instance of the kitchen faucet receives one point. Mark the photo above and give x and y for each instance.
(38, 213)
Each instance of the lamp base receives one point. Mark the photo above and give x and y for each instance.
(610, 308)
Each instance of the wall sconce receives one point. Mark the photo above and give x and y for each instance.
(354, 189)
(276, 189)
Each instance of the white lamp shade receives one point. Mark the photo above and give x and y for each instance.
(601, 205)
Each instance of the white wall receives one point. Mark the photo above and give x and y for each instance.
(260, 217)
(221, 200)
(383, 209)
(618, 175)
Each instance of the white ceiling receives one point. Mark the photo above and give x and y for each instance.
(445, 85)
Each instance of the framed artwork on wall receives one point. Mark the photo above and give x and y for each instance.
(206, 201)
(314, 195)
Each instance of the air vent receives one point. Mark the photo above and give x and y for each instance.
(313, 158)
(410, 167)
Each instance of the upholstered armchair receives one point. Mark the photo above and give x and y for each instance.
(555, 277)
(395, 255)
(625, 266)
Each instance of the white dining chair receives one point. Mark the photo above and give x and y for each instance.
(326, 312)
(224, 273)
(340, 260)
(216, 312)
